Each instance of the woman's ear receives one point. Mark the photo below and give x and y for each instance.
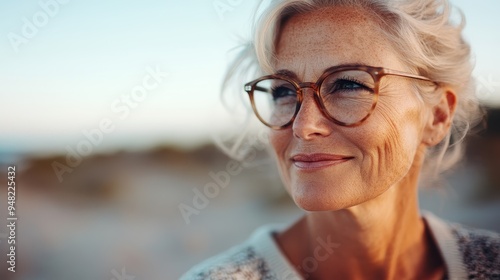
(440, 117)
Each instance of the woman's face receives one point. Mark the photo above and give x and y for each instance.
(325, 166)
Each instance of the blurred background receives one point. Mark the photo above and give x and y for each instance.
(112, 114)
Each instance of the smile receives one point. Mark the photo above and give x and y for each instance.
(317, 161)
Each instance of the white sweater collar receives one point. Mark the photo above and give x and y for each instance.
(264, 243)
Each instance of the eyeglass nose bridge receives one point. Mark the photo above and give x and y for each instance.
(308, 85)
(316, 97)
(315, 88)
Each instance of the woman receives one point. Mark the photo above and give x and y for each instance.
(364, 98)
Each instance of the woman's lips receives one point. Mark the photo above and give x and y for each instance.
(317, 161)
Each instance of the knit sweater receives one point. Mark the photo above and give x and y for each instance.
(468, 254)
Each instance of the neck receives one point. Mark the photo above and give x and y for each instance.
(384, 238)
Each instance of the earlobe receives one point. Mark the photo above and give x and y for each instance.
(440, 117)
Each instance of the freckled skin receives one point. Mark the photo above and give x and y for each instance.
(368, 204)
(383, 147)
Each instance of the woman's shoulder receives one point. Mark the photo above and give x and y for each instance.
(256, 258)
(469, 252)
(241, 260)
(480, 249)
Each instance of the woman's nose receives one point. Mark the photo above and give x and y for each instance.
(310, 122)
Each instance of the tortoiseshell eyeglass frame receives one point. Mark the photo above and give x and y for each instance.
(375, 72)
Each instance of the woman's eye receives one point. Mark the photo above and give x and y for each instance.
(280, 92)
(349, 85)
(343, 85)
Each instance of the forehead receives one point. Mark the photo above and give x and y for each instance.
(312, 42)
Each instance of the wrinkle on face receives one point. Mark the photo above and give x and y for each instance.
(397, 134)
(323, 32)
(383, 147)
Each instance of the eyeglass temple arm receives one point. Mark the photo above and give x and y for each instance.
(408, 75)
(248, 89)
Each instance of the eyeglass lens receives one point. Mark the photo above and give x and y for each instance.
(347, 96)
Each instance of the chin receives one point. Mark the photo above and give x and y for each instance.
(321, 201)
(313, 193)
(316, 207)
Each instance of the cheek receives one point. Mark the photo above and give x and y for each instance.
(280, 141)
(394, 136)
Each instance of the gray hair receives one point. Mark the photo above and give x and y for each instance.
(423, 34)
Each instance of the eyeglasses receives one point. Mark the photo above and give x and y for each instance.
(346, 94)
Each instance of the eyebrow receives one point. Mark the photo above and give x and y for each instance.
(286, 73)
(293, 75)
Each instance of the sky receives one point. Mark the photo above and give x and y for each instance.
(135, 74)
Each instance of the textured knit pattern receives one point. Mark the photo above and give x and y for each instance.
(480, 250)
(479, 254)
(244, 265)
